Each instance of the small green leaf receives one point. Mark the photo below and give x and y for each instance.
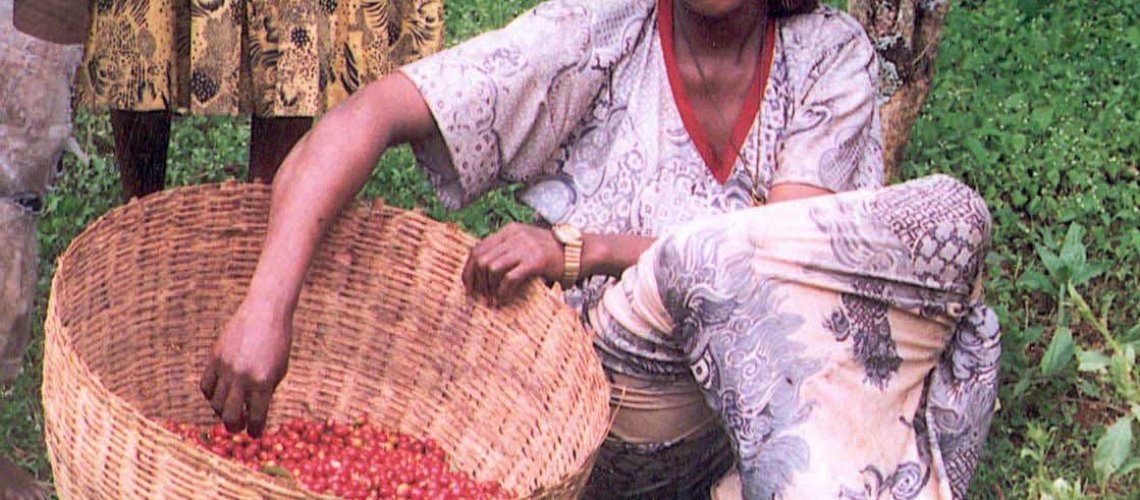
(1016, 100)
(975, 147)
(1036, 281)
(1129, 467)
(1122, 362)
(1018, 142)
(1073, 250)
(1023, 384)
(1033, 333)
(1084, 273)
(277, 471)
(1092, 361)
(1106, 300)
(1133, 36)
(1059, 353)
(1032, 8)
(1089, 389)
(1052, 264)
(1132, 334)
(1112, 449)
(1041, 119)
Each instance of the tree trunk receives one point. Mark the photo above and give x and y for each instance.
(905, 33)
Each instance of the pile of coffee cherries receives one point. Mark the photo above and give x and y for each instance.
(352, 461)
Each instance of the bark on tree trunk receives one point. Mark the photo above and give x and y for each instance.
(905, 33)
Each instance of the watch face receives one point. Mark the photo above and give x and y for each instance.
(566, 233)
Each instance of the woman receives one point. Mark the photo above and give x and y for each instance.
(626, 120)
(281, 62)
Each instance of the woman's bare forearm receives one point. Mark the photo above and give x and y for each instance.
(611, 254)
(322, 175)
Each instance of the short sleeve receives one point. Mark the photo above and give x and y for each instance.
(506, 100)
(833, 138)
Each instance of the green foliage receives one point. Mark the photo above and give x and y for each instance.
(468, 18)
(399, 182)
(1035, 104)
(1113, 449)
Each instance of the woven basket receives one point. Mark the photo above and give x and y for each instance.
(383, 326)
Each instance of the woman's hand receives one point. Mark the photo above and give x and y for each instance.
(248, 360)
(499, 264)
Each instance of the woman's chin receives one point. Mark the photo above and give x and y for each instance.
(713, 9)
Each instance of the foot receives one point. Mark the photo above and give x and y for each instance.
(15, 484)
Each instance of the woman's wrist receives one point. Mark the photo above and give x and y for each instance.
(276, 301)
(276, 285)
(595, 255)
(611, 254)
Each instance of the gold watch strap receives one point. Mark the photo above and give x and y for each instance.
(572, 258)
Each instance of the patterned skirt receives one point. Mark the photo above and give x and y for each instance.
(840, 341)
(261, 57)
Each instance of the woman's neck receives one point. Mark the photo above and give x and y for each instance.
(723, 34)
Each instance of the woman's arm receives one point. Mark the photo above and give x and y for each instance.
(325, 171)
(499, 264)
(472, 112)
(320, 176)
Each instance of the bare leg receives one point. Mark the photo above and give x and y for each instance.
(141, 141)
(17, 286)
(15, 484)
(270, 140)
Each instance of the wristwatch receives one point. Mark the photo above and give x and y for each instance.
(571, 239)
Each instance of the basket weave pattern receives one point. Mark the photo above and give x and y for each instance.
(383, 327)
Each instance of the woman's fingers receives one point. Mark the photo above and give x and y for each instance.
(516, 276)
(482, 258)
(234, 410)
(469, 272)
(209, 381)
(489, 266)
(259, 398)
(506, 262)
(218, 400)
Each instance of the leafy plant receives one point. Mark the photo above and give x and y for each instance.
(1113, 365)
(1033, 105)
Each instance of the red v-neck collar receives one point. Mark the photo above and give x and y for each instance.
(689, 117)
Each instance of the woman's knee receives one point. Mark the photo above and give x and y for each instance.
(943, 222)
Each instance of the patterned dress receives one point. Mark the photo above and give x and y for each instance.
(269, 58)
(839, 339)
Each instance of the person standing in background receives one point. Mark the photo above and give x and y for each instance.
(282, 63)
(40, 47)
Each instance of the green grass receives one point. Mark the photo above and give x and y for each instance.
(1035, 104)
(1037, 107)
